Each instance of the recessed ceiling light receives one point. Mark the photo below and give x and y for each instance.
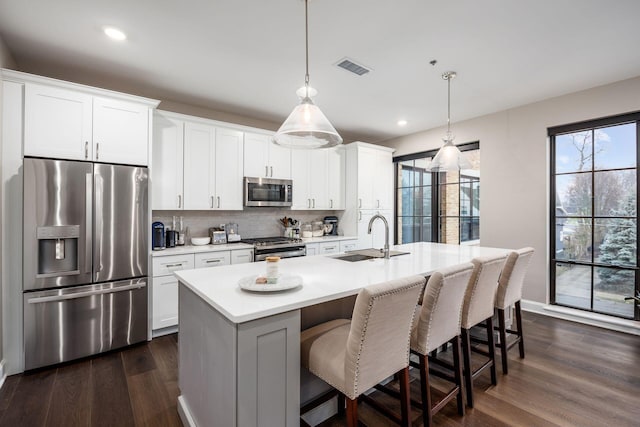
(115, 33)
(402, 122)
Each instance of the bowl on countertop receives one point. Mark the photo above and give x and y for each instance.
(199, 241)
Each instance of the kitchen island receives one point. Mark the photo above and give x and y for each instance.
(239, 351)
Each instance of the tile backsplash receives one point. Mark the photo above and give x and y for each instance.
(252, 222)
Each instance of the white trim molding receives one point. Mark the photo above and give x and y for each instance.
(3, 376)
(580, 316)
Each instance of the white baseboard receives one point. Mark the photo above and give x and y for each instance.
(184, 413)
(580, 316)
(3, 376)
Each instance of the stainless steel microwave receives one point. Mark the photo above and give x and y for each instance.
(267, 192)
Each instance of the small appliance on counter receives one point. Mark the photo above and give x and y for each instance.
(171, 238)
(158, 240)
(232, 232)
(330, 225)
(218, 236)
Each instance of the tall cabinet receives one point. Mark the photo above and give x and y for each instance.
(369, 191)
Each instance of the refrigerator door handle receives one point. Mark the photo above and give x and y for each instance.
(55, 298)
(99, 225)
(88, 185)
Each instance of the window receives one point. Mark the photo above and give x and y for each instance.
(594, 239)
(437, 207)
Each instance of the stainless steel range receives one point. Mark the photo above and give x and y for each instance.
(283, 247)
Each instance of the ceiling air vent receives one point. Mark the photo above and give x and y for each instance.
(351, 66)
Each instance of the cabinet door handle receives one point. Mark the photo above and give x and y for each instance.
(218, 201)
(314, 203)
(97, 150)
(179, 201)
(359, 203)
(309, 203)
(86, 150)
(266, 170)
(271, 171)
(211, 202)
(210, 261)
(331, 203)
(359, 215)
(377, 203)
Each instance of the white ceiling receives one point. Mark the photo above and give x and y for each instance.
(247, 56)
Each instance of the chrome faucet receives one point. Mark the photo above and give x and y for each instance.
(386, 233)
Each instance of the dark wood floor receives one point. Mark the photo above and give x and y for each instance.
(573, 375)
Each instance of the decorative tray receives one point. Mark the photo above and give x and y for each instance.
(285, 282)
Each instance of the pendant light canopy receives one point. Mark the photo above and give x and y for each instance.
(307, 127)
(449, 158)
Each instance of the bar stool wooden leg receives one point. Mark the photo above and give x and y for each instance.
(519, 325)
(468, 376)
(492, 351)
(425, 390)
(352, 412)
(502, 329)
(341, 404)
(457, 362)
(405, 397)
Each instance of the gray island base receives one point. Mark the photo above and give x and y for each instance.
(239, 352)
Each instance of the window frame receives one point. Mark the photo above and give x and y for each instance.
(590, 125)
(435, 191)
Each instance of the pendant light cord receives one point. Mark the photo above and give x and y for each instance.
(306, 39)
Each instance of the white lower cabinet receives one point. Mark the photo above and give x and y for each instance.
(212, 259)
(165, 285)
(312, 249)
(242, 256)
(328, 248)
(348, 245)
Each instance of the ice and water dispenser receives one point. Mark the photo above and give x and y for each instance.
(57, 250)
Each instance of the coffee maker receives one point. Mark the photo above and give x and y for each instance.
(157, 236)
(333, 221)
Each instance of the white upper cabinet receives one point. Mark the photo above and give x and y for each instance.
(228, 169)
(264, 159)
(199, 158)
(84, 124)
(167, 170)
(336, 178)
(318, 179)
(120, 132)
(375, 179)
(57, 123)
(212, 167)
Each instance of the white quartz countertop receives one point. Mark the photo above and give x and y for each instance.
(192, 249)
(324, 278)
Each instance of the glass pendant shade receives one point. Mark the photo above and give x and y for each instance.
(449, 158)
(306, 128)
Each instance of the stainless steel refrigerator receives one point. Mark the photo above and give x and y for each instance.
(85, 259)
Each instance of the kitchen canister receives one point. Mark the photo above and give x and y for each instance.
(272, 269)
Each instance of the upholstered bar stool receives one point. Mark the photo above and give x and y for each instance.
(354, 355)
(510, 293)
(438, 322)
(478, 306)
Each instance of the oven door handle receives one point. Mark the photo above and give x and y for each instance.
(283, 254)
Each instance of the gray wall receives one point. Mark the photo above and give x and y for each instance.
(514, 159)
(6, 61)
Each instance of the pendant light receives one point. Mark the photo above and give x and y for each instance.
(307, 127)
(449, 157)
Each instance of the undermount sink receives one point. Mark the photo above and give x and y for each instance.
(364, 254)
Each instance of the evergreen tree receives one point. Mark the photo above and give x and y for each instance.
(619, 247)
